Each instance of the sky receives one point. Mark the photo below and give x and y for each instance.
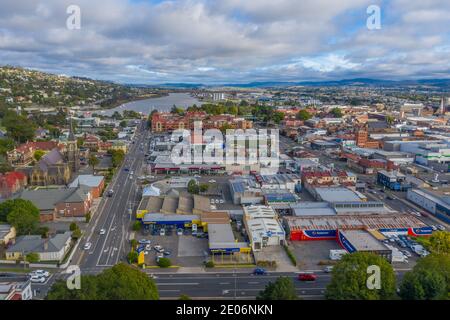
(228, 41)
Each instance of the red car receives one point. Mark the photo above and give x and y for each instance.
(307, 277)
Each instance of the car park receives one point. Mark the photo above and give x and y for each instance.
(307, 277)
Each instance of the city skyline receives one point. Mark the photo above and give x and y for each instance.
(216, 42)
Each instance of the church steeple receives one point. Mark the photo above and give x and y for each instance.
(71, 131)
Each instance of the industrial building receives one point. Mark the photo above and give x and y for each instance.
(263, 227)
(393, 180)
(363, 241)
(435, 202)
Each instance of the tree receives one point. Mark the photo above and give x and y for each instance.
(336, 112)
(6, 144)
(350, 275)
(76, 234)
(117, 157)
(73, 226)
(203, 187)
(43, 231)
(193, 187)
(426, 279)
(32, 257)
(423, 284)
(22, 214)
(87, 217)
(18, 127)
(277, 117)
(282, 289)
(164, 262)
(132, 256)
(137, 226)
(123, 123)
(303, 115)
(38, 154)
(93, 161)
(134, 244)
(121, 282)
(438, 243)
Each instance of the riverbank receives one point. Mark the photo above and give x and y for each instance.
(119, 103)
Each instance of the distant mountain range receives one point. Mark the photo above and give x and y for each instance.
(438, 83)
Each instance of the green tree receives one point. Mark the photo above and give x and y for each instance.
(424, 281)
(336, 112)
(438, 243)
(87, 217)
(193, 187)
(137, 225)
(164, 262)
(282, 289)
(303, 115)
(184, 297)
(132, 256)
(423, 285)
(277, 117)
(38, 154)
(93, 161)
(43, 231)
(73, 226)
(134, 243)
(203, 187)
(123, 123)
(349, 278)
(76, 234)
(121, 282)
(18, 127)
(32, 257)
(6, 144)
(23, 215)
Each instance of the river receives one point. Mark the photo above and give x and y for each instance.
(165, 103)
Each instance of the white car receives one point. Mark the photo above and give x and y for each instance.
(102, 231)
(37, 279)
(40, 273)
(433, 227)
(87, 246)
(407, 253)
(148, 247)
(179, 232)
(441, 227)
(212, 181)
(162, 232)
(158, 248)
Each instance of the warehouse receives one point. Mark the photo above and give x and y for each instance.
(363, 241)
(263, 227)
(325, 227)
(432, 201)
(221, 240)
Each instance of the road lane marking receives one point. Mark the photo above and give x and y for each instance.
(179, 284)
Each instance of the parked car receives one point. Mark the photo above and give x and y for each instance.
(259, 272)
(148, 247)
(87, 246)
(167, 253)
(158, 248)
(441, 227)
(144, 241)
(433, 227)
(40, 273)
(110, 193)
(212, 181)
(179, 232)
(407, 253)
(162, 232)
(37, 279)
(307, 277)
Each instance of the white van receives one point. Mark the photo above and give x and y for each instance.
(162, 232)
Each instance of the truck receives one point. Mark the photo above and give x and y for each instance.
(337, 254)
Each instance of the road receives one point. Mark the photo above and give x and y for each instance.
(113, 216)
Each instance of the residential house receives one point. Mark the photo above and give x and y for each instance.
(65, 202)
(11, 183)
(52, 249)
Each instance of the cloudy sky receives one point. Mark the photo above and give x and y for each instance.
(228, 41)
